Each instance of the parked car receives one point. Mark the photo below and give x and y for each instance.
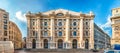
(111, 51)
(6, 47)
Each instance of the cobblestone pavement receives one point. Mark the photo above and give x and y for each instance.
(23, 51)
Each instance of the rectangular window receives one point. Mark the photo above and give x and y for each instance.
(33, 33)
(5, 27)
(5, 21)
(86, 33)
(5, 15)
(5, 33)
(45, 33)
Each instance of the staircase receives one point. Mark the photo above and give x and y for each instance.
(60, 50)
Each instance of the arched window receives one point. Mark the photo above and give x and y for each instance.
(74, 33)
(60, 33)
(60, 14)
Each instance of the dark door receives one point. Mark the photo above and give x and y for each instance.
(74, 43)
(86, 44)
(60, 44)
(45, 43)
(34, 43)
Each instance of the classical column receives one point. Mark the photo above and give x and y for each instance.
(38, 41)
(91, 42)
(81, 32)
(28, 34)
(52, 43)
(67, 33)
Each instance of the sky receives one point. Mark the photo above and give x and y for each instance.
(101, 8)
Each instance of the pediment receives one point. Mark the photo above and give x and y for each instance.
(64, 11)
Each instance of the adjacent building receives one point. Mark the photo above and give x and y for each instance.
(15, 35)
(64, 29)
(115, 18)
(9, 30)
(101, 39)
(4, 21)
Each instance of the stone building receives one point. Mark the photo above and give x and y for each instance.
(115, 18)
(60, 29)
(15, 35)
(9, 31)
(4, 21)
(101, 39)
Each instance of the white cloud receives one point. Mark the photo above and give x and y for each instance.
(107, 24)
(20, 16)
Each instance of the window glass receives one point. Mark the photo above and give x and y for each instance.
(60, 14)
(5, 27)
(60, 33)
(60, 23)
(74, 23)
(45, 33)
(5, 15)
(45, 23)
(74, 33)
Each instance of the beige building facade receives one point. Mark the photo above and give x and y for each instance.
(15, 35)
(9, 30)
(60, 29)
(115, 26)
(4, 25)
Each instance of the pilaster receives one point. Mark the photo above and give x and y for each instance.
(81, 32)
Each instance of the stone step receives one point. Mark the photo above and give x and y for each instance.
(57, 50)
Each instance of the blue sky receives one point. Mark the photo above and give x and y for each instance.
(101, 8)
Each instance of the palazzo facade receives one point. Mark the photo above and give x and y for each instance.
(60, 29)
(115, 18)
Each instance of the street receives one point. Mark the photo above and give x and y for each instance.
(23, 51)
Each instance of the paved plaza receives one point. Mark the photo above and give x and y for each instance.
(24, 51)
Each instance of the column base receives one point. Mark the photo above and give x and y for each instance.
(66, 45)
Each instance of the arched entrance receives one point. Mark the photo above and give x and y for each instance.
(86, 44)
(33, 43)
(74, 44)
(60, 43)
(45, 43)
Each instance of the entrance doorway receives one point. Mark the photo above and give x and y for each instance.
(74, 44)
(34, 44)
(86, 44)
(60, 43)
(45, 43)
